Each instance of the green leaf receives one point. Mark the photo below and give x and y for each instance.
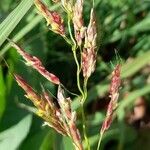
(48, 142)
(142, 26)
(8, 25)
(35, 139)
(25, 30)
(13, 137)
(22, 33)
(67, 144)
(2, 93)
(55, 141)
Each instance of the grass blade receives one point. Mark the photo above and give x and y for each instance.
(8, 25)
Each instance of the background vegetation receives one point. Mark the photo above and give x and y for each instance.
(124, 27)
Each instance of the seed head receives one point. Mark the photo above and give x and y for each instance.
(88, 61)
(89, 52)
(67, 5)
(79, 28)
(114, 94)
(70, 117)
(36, 64)
(45, 107)
(115, 81)
(53, 18)
(91, 33)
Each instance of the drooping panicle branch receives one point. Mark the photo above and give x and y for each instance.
(45, 107)
(62, 119)
(36, 64)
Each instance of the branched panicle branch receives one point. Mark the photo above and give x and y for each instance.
(62, 119)
(45, 107)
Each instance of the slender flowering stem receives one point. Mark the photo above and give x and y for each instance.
(83, 114)
(75, 55)
(80, 58)
(67, 40)
(70, 32)
(100, 139)
(85, 88)
(84, 96)
(84, 127)
(83, 92)
(78, 74)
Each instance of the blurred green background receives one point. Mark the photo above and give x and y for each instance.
(123, 29)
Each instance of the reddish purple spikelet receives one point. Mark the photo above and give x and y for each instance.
(52, 18)
(36, 64)
(115, 81)
(79, 29)
(46, 109)
(70, 117)
(91, 33)
(88, 62)
(27, 88)
(89, 52)
(114, 94)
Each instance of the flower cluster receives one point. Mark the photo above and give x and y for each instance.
(62, 119)
(36, 64)
(114, 94)
(89, 53)
(88, 34)
(79, 28)
(53, 18)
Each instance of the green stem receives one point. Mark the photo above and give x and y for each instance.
(84, 96)
(100, 139)
(84, 127)
(83, 114)
(80, 57)
(69, 91)
(67, 40)
(70, 32)
(78, 74)
(84, 91)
